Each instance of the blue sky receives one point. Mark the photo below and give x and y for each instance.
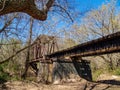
(83, 4)
(94, 4)
(80, 6)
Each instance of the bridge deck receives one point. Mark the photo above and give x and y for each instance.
(105, 45)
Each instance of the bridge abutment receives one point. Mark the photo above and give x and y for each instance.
(62, 69)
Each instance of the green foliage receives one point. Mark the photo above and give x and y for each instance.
(4, 76)
(15, 78)
(116, 71)
(6, 69)
(96, 74)
(13, 66)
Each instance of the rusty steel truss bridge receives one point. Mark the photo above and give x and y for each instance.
(45, 50)
(105, 45)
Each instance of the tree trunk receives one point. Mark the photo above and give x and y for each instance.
(28, 50)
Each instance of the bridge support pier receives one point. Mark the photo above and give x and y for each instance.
(45, 72)
(82, 67)
(50, 71)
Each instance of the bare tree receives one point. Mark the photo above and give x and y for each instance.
(101, 22)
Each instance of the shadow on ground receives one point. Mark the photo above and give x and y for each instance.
(112, 82)
(103, 85)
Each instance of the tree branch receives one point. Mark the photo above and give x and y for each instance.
(9, 58)
(26, 6)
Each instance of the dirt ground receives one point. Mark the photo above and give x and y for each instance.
(110, 83)
(83, 85)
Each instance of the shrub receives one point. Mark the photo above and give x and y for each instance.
(3, 75)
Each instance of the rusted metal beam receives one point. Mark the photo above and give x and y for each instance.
(105, 45)
(51, 61)
(41, 60)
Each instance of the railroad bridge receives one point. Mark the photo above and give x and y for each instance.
(45, 50)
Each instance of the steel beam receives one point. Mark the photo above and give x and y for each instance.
(105, 45)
